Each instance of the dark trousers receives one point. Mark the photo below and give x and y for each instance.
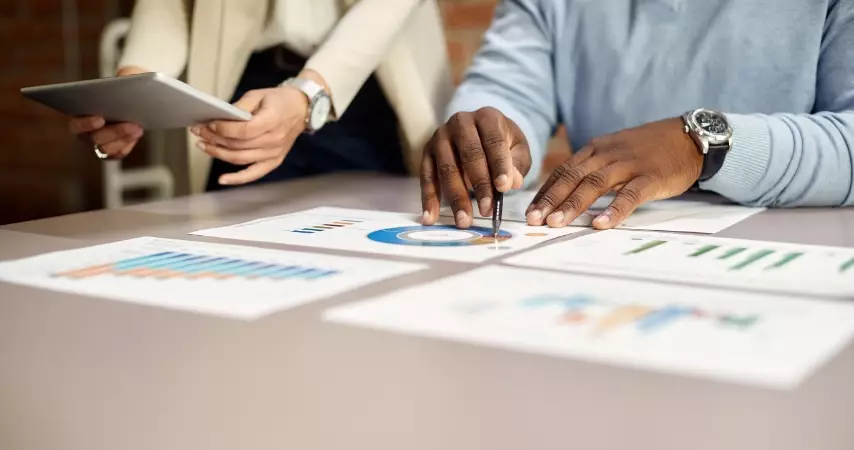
(365, 138)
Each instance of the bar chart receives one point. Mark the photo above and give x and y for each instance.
(226, 280)
(166, 265)
(767, 266)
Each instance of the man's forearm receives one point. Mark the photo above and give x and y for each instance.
(789, 160)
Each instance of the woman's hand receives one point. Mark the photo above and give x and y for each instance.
(262, 143)
(115, 140)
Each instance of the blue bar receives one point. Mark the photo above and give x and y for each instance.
(306, 273)
(171, 265)
(322, 274)
(142, 260)
(231, 270)
(159, 263)
(250, 269)
(189, 264)
(303, 232)
(261, 273)
(227, 263)
(659, 319)
(200, 267)
(287, 272)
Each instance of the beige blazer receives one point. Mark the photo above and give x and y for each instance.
(401, 40)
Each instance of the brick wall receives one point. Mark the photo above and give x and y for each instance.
(43, 171)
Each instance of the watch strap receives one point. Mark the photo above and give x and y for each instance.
(308, 87)
(713, 160)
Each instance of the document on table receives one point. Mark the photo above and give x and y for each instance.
(224, 280)
(766, 266)
(663, 215)
(389, 233)
(774, 342)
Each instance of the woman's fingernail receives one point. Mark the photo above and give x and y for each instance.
(484, 204)
(603, 220)
(223, 181)
(530, 208)
(425, 217)
(535, 217)
(196, 130)
(200, 145)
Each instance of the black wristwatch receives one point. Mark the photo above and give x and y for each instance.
(712, 133)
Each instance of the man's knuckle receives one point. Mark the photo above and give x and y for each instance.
(596, 180)
(447, 171)
(549, 199)
(568, 176)
(470, 152)
(492, 142)
(573, 203)
(631, 195)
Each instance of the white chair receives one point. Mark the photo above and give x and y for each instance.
(157, 178)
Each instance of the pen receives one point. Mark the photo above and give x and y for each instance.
(497, 210)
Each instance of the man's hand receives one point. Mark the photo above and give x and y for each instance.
(651, 162)
(116, 140)
(478, 150)
(261, 143)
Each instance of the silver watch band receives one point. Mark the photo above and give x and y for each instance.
(308, 87)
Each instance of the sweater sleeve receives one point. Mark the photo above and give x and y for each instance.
(513, 72)
(800, 159)
(358, 44)
(159, 37)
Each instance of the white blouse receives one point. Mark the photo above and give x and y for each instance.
(301, 25)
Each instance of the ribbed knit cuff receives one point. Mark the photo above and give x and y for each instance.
(747, 161)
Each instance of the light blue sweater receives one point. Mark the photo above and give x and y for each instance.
(782, 70)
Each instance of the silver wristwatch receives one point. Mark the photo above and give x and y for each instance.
(319, 103)
(712, 133)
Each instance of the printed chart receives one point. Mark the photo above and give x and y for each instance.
(662, 215)
(217, 279)
(739, 337)
(389, 233)
(767, 266)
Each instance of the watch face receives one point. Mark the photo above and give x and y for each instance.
(319, 112)
(710, 122)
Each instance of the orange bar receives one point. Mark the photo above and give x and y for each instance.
(87, 271)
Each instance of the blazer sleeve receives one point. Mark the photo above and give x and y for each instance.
(159, 37)
(358, 44)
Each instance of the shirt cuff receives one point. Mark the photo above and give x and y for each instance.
(747, 161)
(471, 103)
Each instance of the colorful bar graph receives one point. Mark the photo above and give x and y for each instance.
(786, 259)
(176, 265)
(648, 246)
(703, 250)
(321, 227)
(752, 259)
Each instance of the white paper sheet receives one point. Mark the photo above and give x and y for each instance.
(224, 280)
(389, 233)
(775, 342)
(663, 215)
(767, 266)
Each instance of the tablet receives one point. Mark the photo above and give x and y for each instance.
(152, 100)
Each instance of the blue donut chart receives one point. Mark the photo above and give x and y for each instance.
(438, 236)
